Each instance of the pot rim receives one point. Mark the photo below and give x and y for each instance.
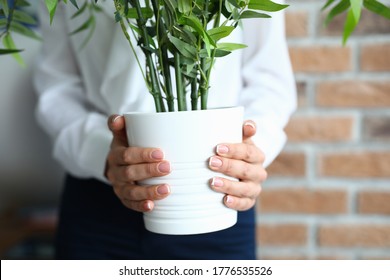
(209, 110)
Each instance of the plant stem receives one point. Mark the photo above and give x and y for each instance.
(203, 84)
(203, 90)
(216, 24)
(163, 58)
(218, 15)
(194, 94)
(167, 77)
(156, 92)
(181, 102)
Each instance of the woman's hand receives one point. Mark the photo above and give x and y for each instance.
(243, 161)
(127, 165)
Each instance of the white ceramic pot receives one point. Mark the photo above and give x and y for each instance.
(188, 140)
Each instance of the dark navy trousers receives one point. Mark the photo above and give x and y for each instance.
(94, 224)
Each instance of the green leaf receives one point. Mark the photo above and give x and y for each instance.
(149, 49)
(23, 17)
(81, 10)
(24, 30)
(336, 10)
(186, 34)
(9, 51)
(377, 8)
(22, 3)
(51, 6)
(252, 14)
(217, 53)
(3, 22)
(4, 5)
(234, 3)
(135, 28)
(169, 14)
(84, 25)
(170, 5)
(327, 4)
(220, 32)
(266, 5)
(97, 8)
(230, 46)
(184, 6)
(89, 24)
(221, 53)
(184, 48)
(74, 2)
(189, 67)
(146, 13)
(349, 26)
(8, 42)
(118, 16)
(352, 19)
(356, 7)
(195, 23)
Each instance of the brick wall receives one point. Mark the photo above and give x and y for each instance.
(328, 193)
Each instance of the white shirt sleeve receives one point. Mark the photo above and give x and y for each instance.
(80, 135)
(269, 94)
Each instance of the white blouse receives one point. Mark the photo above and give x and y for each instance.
(78, 88)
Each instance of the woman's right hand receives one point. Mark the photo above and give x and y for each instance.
(127, 165)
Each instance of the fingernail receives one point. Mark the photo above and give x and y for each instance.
(163, 189)
(148, 206)
(222, 149)
(114, 119)
(250, 124)
(217, 182)
(164, 167)
(229, 199)
(157, 154)
(215, 162)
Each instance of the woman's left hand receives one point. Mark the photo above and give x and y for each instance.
(243, 161)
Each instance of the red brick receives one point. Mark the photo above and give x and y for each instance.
(349, 93)
(375, 57)
(355, 164)
(354, 236)
(296, 23)
(288, 164)
(319, 129)
(376, 128)
(282, 235)
(374, 202)
(302, 94)
(303, 201)
(369, 24)
(320, 59)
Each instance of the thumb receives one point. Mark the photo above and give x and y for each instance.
(248, 129)
(116, 124)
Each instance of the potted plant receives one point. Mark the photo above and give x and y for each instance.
(186, 36)
(180, 41)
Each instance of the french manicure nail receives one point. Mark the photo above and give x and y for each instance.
(222, 149)
(114, 119)
(215, 162)
(217, 182)
(229, 199)
(148, 206)
(250, 124)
